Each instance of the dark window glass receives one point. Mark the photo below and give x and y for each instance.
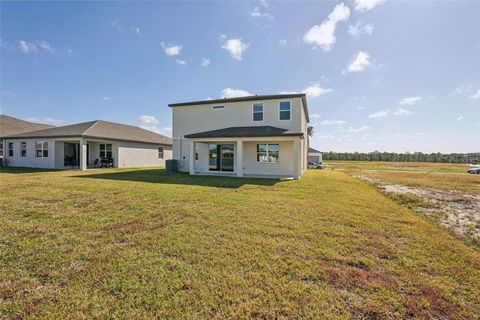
(160, 152)
(10, 149)
(23, 149)
(258, 112)
(285, 109)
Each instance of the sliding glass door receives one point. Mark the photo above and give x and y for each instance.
(220, 157)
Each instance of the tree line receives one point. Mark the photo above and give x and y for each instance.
(404, 157)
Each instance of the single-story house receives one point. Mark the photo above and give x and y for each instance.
(88, 144)
(254, 136)
(10, 126)
(314, 155)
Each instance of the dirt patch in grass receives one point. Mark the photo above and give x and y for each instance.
(455, 210)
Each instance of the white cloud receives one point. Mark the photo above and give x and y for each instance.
(460, 117)
(282, 42)
(359, 108)
(205, 62)
(5, 44)
(106, 98)
(148, 120)
(337, 123)
(264, 3)
(233, 93)
(171, 49)
(116, 25)
(402, 112)
(321, 136)
(366, 5)
(182, 62)
(360, 62)
(360, 28)
(323, 35)
(315, 116)
(236, 47)
(380, 114)
(410, 101)
(476, 95)
(70, 52)
(8, 93)
(312, 91)
(46, 46)
(135, 29)
(359, 129)
(256, 13)
(46, 120)
(33, 47)
(461, 90)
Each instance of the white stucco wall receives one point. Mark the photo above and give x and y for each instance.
(133, 154)
(30, 160)
(283, 168)
(199, 118)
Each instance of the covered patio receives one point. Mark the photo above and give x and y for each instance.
(81, 153)
(266, 153)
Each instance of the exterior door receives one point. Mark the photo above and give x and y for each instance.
(221, 157)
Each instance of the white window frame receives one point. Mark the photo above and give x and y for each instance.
(105, 150)
(266, 152)
(10, 150)
(218, 107)
(1, 149)
(42, 149)
(254, 112)
(23, 147)
(161, 152)
(280, 111)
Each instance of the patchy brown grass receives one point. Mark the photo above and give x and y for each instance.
(146, 244)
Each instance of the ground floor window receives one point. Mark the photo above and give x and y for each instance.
(23, 149)
(10, 149)
(268, 153)
(160, 152)
(1, 149)
(41, 149)
(106, 150)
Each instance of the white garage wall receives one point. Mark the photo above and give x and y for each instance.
(133, 154)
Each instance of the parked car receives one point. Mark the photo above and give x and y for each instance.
(315, 165)
(474, 171)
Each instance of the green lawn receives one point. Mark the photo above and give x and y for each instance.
(142, 243)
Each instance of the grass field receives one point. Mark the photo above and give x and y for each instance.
(142, 243)
(397, 166)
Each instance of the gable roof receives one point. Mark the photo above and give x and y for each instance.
(257, 131)
(99, 129)
(311, 150)
(248, 98)
(10, 126)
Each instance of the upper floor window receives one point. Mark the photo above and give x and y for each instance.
(41, 149)
(218, 107)
(23, 149)
(160, 152)
(106, 150)
(10, 149)
(258, 112)
(285, 110)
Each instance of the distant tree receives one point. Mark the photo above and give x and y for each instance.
(404, 157)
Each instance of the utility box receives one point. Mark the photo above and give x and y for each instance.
(171, 165)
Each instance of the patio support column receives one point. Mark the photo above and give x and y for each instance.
(297, 159)
(83, 154)
(239, 158)
(191, 158)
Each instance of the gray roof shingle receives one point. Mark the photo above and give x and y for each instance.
(232, 132)
(10, 126)
(101, 130)
(310, 149)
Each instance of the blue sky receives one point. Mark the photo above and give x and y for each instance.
(379, 75)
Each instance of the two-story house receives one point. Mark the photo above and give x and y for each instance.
(254, 136)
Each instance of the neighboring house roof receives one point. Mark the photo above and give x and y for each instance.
(248, 98)
(257, 131)
(10, 126)
(100, 129)
(311, 150)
